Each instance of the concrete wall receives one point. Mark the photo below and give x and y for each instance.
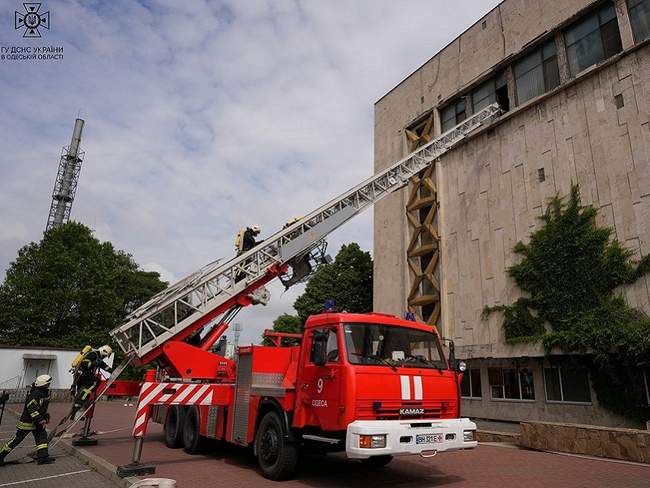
(491, 196)
(508, 28)
(489, 192)
(12, 366)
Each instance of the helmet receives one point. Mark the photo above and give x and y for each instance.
(105, 351)
(43, 380)
(256, 229)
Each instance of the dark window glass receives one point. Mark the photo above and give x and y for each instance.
(511, 384)
(483, 95)
(537, 72)
(470, 386)
(332, 349)
(495, 377)
(575, 385)
(453, 114)
(646, 381)
(448, 117)
(592, 39)
(527, 384)
(639, 11)
(476, 382)
(567, 385)
(552, 384)
(465, 385)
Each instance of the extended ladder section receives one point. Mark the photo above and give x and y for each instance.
(216, 287)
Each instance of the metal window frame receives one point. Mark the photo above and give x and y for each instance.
(503, 386)
(471, 388)
(563, 401)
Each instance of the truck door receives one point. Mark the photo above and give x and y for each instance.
(321, 385)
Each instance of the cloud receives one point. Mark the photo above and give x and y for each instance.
(202, 117)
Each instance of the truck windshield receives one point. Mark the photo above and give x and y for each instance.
(390, 345)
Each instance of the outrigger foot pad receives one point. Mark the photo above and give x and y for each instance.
(135, 469)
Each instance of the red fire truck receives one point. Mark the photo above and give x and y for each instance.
(371, 385)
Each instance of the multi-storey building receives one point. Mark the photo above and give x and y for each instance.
(573, 77)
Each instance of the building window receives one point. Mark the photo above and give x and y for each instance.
(639, 11)
(511, 384)
(567, 385)
(537, 72)
(493, 90)
(453, 114)
(592, 39)
(470, 386)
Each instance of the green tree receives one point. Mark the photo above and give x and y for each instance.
(347, 280)
(286, 323)
(570, 271)
(70, 289)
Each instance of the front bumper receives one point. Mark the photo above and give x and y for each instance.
(401, 436)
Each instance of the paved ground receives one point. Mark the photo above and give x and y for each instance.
(67, 472)
(486, 466)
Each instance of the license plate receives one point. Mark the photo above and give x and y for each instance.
(428, 438)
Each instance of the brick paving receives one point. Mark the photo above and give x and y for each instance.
(67, 472)
(486, 466)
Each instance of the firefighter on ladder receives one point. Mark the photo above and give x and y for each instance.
(33, 419)
(86, 376)
(245, 240)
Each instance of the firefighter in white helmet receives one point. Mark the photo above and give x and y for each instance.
(245, 239)
(86, 376)
(33, 419)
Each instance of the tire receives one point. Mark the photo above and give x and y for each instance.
(276, 456)
(193, 443)
(174, 427)
(377, 461)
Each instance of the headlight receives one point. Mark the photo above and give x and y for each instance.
(462, 366)
(469, 435)
(372, 441)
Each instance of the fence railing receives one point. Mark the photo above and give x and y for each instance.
(18, 395)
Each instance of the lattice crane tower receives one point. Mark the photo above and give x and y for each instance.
(67, 178)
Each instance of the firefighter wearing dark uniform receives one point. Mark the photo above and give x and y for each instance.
(245, 240)
(33, 419)
(86, 376)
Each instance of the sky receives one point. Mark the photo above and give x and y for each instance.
(205, 116)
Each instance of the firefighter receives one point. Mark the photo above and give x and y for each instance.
(86, 376)
(245, 240)
(33, 419)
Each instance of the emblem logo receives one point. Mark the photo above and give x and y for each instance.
(411, 411)
(31, 20)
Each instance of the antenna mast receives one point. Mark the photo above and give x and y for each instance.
(67, 178)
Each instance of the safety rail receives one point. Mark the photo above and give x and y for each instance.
(177, 308)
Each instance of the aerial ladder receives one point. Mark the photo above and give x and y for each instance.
(179, 325)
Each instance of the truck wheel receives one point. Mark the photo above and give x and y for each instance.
(192, 441)
(174, 427)
(377, 461)
(276, 456)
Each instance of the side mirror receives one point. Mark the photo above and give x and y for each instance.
(453, 362)
(318, 348)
